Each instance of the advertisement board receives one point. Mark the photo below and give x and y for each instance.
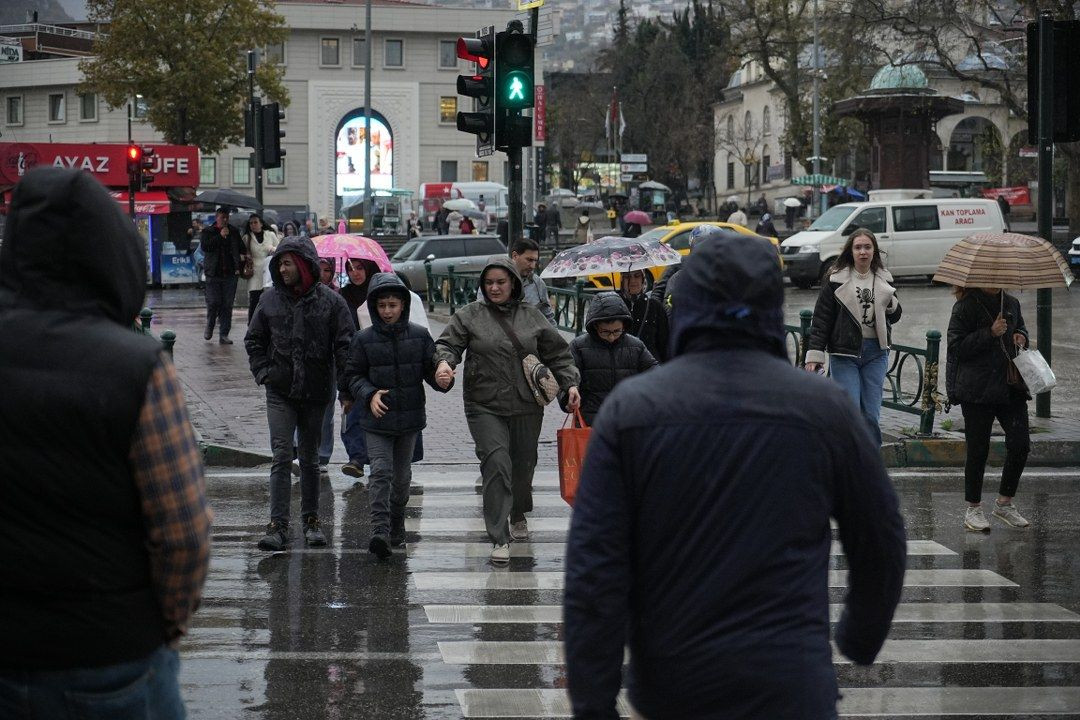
(1019, 195)
(540, 113)
(350, 156)
(174, 165)
(176, 267)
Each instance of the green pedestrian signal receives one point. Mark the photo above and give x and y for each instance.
(516, 90)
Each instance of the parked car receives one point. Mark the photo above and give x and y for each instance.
(913, 235)
(467, 253)
(1074, 255)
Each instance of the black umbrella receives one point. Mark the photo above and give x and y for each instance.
(224, 196)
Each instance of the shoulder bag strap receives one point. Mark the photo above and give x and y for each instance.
(505, 325)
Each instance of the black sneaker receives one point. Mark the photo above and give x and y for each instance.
(352, 469)
(277, 537)
(313, 534)
(397, 533)
(224, 341)
(380, 547)
(208, 333)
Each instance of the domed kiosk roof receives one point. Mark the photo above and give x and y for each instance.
(898, 77)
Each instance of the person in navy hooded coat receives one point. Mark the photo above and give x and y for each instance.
(700, 536)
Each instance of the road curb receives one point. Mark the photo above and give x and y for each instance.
(952, 453)
(225, 456)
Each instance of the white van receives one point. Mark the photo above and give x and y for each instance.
(496, 200)
(913, 235)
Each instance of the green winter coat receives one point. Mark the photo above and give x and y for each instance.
(494, 381)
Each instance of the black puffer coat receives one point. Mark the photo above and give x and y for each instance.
(976, 370)
(648, 321)
(294, 343)
(604, 364)
(398, 358)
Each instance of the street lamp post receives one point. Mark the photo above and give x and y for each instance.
(817, 115)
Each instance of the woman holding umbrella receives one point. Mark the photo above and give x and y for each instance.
(986, 332)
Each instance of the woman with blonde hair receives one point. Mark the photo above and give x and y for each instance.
(853, 322)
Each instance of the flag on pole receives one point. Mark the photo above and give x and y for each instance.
(614, 115)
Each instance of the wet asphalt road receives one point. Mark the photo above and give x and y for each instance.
(989, 625)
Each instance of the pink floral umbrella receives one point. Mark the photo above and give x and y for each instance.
(344, 247)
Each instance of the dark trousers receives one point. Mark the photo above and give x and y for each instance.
(287, 417)
(253, 302)
(978, 423)
(506, 449)
(220, 295)
(391, 474)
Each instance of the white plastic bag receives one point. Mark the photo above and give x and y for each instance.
(1037, 375)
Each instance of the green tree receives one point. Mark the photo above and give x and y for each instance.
(188, 59)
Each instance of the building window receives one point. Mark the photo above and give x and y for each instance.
(274, 53)
(57, 108)
(276, 176)
(748, 125)
(208, 171)
(448, 55)
(88, 106)
(448, 171)
(140, 107)
(480, 171)
(766, 122)
(359, 51)
(730, 132)
(241, 171)
(765, 160)
(330, 51)
(731, 176)
(448, 109)
(395, 54)
(14, 115)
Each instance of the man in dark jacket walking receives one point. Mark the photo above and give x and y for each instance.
(606, 353)
(299, 334)
(103, 514)
(388, 365)
(700, 536)
(224, 250)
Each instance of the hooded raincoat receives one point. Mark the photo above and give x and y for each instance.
(494, 380)
(293, 342)
(700, 536)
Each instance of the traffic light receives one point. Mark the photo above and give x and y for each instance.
(146, 166)
(480, 87)
(134, 160)
(514, 87)
(272, 134)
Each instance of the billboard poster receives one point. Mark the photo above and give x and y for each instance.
(1018, 195)
(350, 156)
(173, 165)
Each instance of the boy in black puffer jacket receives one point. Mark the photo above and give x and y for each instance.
(388, 364)
(607, 353)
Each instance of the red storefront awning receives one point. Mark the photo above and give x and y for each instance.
(146, 203)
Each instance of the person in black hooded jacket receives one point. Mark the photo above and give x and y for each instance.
(606, 353)
(388, 364)
(648, 319)
(700, 536)
(299, 334)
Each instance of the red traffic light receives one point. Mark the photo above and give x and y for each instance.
(477, 50)
(134, 153)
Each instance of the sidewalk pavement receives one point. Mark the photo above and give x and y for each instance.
(229, 412)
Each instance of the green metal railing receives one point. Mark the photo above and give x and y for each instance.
(455, 290)
(920, 398)
(142, 326)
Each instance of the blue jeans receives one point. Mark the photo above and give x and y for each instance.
(863, 378)
(144, 689)
(326, 439)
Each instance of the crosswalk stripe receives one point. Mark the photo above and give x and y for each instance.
(472, 500)
(554, 580)
(861, 702)
(551, 652)
(433, 548)
(905, 613)
(456, 525)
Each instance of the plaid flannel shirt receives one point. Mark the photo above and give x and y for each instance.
(168, 473)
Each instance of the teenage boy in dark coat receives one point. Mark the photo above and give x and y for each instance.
(299, 334)
(388, 364)
(700, 536)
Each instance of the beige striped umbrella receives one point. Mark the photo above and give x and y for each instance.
(1004, 260)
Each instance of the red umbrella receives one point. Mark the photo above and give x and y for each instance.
(352, 247)
(637, 216)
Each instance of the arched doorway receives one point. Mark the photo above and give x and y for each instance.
(975, 146)
(349, 157)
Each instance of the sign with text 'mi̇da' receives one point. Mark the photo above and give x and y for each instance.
(174, 165)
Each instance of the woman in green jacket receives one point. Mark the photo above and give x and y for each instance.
(503, 416)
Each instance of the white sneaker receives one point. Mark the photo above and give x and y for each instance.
(324, 471)
(500, 554)
(975, 519)
(519, 530)
(1009, 515)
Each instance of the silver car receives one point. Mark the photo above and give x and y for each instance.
(467, 253)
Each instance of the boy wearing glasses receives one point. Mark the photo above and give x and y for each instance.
(606, 354)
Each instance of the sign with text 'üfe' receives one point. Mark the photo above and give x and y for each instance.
(174, 165)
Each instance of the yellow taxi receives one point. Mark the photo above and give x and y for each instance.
(677, 237)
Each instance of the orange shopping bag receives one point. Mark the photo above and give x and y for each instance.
(572, 442)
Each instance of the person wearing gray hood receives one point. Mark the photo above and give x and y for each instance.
(503, 416)
(299, 334)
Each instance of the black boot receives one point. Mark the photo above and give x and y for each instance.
(397, 531)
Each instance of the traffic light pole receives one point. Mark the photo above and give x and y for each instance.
(256, 122)
(1044, 318)
(131, 178)
(515, 227)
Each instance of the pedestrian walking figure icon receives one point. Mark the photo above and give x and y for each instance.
(517, 90)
